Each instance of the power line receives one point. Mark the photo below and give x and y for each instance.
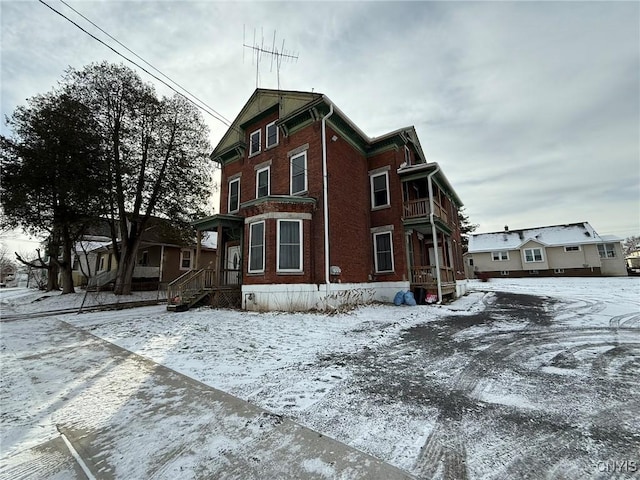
(215, 115)
(139, 57)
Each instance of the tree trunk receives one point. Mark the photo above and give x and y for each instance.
(66, 266)
(126, 266)
(52, 276)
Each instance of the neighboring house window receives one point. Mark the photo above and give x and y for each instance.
(499, 256)
(143, 260)
(471, 262)
(558, 270)
(272, 135)
(185, 259)
(572, 248)
(101, 266)
(256, 247)
(379, 190)
(504, 273)
(262, 182)
(76, 263)
(383, 250)
(607, 250)
(289, 245)
(532, 255)
(299, 173)
(254, 142)
(234, 195)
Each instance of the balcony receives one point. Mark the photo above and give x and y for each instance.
(426, 275)
(420, 208)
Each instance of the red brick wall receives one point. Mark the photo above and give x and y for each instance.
(350, 241)
(391, 215)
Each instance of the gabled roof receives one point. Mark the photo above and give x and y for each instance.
(292, 106)
(551, 236)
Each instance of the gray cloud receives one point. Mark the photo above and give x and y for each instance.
(532, 109)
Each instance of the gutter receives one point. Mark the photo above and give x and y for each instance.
(433, 233)
(325, 199)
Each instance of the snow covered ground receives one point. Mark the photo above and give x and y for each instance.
(522, 378)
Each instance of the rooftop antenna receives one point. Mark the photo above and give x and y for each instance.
(258, 49)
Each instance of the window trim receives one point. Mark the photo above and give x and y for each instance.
(306, 174)
(524, 253)
(251, 152)
(606, 251)
(229, 209)
(301, 256)
(375, 252)
(182, 258)
(371, 177)
(500, 253)
(258, 172)
(407, 155)
(573, 248)
(266, 134)
(251, 225)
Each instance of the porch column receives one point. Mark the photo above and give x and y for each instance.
(198, 248)
(407, 238)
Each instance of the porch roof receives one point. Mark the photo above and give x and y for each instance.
(415, 172)
(214, 221)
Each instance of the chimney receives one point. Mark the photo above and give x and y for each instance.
(506, 228)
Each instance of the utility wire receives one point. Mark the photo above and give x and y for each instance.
(139, 57)
(214, 115)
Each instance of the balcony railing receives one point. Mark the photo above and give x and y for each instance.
(420, 208)
(426, 275)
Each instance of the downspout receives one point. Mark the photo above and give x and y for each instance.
(325, 204)
(434, 234)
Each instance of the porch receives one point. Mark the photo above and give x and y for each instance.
(425, 277)
(222, 284)
(196, 285)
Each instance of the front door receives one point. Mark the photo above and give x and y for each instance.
(233, 268)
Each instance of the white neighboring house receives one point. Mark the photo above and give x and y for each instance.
(574, 249)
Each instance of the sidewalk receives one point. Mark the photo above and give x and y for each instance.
(128, 417)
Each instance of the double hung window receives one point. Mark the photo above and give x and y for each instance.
(383, 251)
(289, 246)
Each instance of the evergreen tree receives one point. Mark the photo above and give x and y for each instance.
(466, 227)
(52, 170)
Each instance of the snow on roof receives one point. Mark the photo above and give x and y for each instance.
(570, 234)
(89, 245)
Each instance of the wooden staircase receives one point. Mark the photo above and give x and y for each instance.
(185, 291)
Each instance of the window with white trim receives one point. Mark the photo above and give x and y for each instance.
(263, 187)
(572, 248)
(379, 190)
(499, 256)
(234, 195)
(533, 255)
(298, 173)
(383, 252)
(255, 142)
(256, 247)
(272, 135)
(289, 239)
(185, 259)
(407, 155)
(606, 250)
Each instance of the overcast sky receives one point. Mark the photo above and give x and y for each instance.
(531, 109)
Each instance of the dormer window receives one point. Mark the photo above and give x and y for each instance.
(272, 135)
(255, 142)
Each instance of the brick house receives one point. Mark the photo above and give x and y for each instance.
(314, 213)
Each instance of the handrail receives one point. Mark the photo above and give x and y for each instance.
(427, 275)
(102, 278)
(420, 208)
(183, 289)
